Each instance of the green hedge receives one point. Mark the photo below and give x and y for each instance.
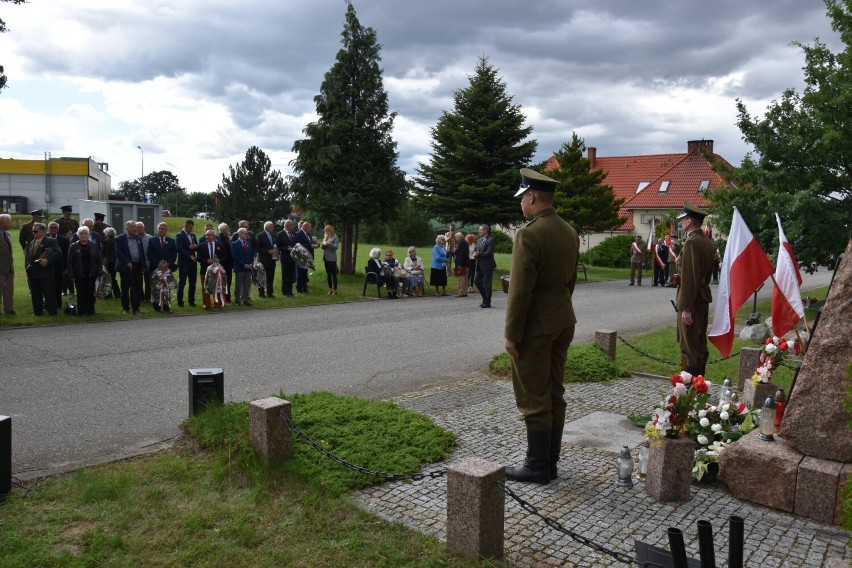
(614, 252)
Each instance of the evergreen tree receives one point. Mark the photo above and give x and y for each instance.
(253, 191)
(801, 169)
(477, 150)
(4, 29)
(346, 164)
(582, 198)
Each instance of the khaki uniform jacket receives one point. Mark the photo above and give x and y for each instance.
(696, 268)
(67, 226)
(544, 272)
(25, 237)
(637, 257)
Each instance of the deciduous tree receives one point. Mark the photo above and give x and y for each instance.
(4, 29)
(477, 149)
(802, 166)
(346, 165)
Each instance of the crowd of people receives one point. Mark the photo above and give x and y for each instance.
(90, 260)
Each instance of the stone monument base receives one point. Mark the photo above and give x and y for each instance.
(776, 475)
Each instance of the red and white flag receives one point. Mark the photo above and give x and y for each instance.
(787, 308)
(651, 240)
(744, 268)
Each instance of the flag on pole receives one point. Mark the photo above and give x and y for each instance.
(744, 268)
(651, 239)
(787, 308)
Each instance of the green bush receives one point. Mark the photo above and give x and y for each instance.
(585, 364)
(502, 242)
(614, 252)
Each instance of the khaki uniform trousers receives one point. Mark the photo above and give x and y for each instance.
(693, 340)
(537, 379)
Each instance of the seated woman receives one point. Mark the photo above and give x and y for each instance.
(438, 274)
(384, 274)
(395, 268)
(414, 266)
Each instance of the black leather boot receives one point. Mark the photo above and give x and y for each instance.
(536, 468)
(555, 448)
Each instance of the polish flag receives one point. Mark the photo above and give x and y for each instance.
(651, 239)
(787, 308)
(744, 268)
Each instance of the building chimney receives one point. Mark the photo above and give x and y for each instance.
(592, 156)
(702, 145)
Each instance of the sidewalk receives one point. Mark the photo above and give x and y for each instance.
(481, 411)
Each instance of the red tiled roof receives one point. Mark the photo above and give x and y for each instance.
(684, 172)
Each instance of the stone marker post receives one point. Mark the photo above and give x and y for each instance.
(269, 434)
(749, 360)
(475, 508)
(605, 339)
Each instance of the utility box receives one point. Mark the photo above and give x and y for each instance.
(205, 386)
(5, 455)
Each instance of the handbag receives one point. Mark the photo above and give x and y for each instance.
(400, 272)
(460, 271)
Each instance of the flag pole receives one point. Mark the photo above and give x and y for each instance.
(803, 347)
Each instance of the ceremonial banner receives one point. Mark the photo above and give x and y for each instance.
(787, 308)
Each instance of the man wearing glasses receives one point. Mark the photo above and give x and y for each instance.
(42, 254)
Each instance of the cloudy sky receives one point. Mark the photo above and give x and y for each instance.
(196, 82)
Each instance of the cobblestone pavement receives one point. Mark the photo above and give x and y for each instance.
(481, 411)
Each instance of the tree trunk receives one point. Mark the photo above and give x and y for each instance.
(347, 259)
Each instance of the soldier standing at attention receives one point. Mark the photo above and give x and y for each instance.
(540, 324)
(637, 257)
(693, 295)
(67, 225)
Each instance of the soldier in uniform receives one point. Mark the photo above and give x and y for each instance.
(99, 225)
(67, 225)
(26, 235)
(693, 295)
(637, 257)
(540, 324)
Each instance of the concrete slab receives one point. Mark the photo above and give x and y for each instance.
(605, 431)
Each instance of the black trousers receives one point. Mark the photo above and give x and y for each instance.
(269, 266)
(190, 274)
(85, 296)
(43, 295)
(131, 286)
(483, 283)
(288, 276)
(331, 272)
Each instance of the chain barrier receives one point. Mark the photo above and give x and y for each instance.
(20, 484)
(358, 468)
(671, 363)
(529, 507)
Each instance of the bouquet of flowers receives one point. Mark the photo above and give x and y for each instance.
(302, 257)
(103, 284)
(163, 286)
(672, 418)
(258, 274)
(774, 351)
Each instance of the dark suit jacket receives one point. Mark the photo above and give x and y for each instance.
(26, 235)
(285, 241)
(305, 240)
(264, 245)
(122, 251)
(242, 256)
(227, 259)
(462, 255)
(7, 264)
(485, 259)
(75, 260)
(203, 251)
(63, 243)
(47, 248)
(156, 253)
(184, 253)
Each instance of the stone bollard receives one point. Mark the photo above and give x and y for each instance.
(749, 360)
(605, 339)
(270, 435)
(475, 508)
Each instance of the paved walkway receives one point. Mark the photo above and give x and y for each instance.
(481, 411)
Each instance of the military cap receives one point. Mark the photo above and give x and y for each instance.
(66, 208)
(690, 210)
(531, 179)
(37, 213)
(99, 216)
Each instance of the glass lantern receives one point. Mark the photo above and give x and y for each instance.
(767, 420)
(780, 405)
(643, 461)
(625, 468)
(725, 394)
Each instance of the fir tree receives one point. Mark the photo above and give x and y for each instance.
(346, 164)
(253, 191)
(477, 150)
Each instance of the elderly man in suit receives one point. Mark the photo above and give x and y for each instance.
(210, 252)
(304, 238)
(42, 254)
(146, 276)
(162, 254)
(7, 266)
(130, 262)
(242, 251)
(483, 252)
(286, 240)
(540, 324)
(62, 266)
(226, 260)
(187, 244)
(267, 255)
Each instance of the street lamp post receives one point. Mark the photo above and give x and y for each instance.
(143, 160)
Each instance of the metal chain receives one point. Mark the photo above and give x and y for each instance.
(358, 468)
(671, 363)
(525, 505)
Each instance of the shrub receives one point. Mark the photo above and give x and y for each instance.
(614, 252)
(585, 364)
(502, 242)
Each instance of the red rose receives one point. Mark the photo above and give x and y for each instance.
(676, 379)
(783, 345)
(768, 341)
(699, 384)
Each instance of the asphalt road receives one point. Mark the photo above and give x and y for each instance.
(93, 392)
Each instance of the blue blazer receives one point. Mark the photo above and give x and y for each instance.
(186, 255)
(156, 253)
(122, 251)
(303, 238)
(242, 256)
